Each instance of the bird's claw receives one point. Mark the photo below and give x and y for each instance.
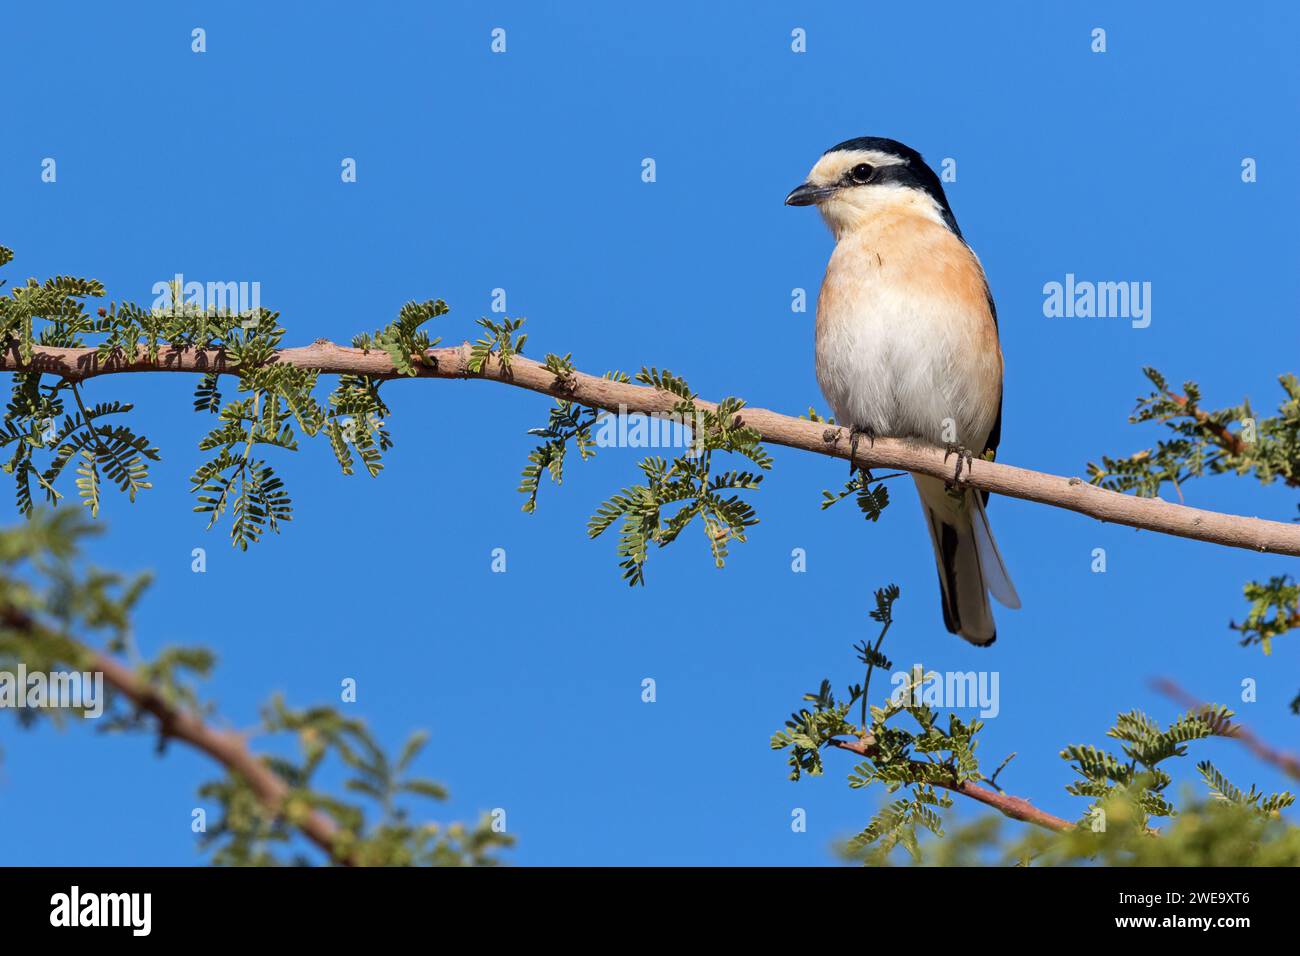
(964, 458)
(855, 435)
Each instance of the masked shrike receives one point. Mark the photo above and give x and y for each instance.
(907, 347)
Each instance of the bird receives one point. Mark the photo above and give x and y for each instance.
(907, 347)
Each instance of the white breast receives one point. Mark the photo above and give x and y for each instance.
(905, 340)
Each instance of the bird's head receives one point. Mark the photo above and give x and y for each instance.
(862, 178)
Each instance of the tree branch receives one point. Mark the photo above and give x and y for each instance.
(1073, 494)
(226, 747)
(1224, 437)
(1017, 808)
(1288, 763)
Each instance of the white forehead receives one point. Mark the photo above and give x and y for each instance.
(832, 167)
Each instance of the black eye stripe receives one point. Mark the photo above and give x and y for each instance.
(861, 173)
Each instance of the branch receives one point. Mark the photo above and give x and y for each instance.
(1228, 441)
(1288, 763)
(226, 747)
(1016, 808)
(1224, 437)
(1073, 494)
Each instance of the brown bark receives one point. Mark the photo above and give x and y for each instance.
(226, 747)
(1074, 494)
(1288, 763)
(1017, 808)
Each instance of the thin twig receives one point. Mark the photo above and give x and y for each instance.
(871, 666)
(1288, 763)
(1016, 808)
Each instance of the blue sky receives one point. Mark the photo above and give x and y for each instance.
(522, 171)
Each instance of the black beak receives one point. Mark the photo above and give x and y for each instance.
(808, 195)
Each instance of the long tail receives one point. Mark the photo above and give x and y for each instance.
(970, 567)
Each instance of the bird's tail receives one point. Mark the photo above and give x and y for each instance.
(970, 567)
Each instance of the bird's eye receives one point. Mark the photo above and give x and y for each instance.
(861, 173)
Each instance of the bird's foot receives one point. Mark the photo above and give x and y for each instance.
(964, 459)
(855, 435)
